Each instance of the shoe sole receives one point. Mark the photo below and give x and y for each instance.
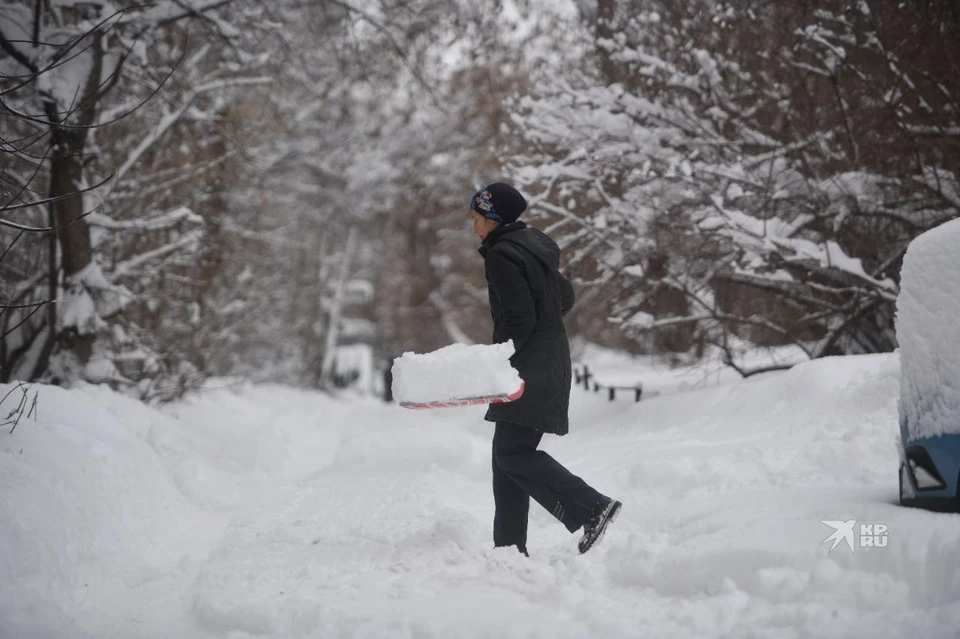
(611, 517)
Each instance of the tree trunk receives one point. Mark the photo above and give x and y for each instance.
(49, 335)
(606, 12)
(336, 311)
(66, 176)
(74, 234)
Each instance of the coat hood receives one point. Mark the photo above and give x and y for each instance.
(530, 239)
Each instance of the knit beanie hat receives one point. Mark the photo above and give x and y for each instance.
(499, 202)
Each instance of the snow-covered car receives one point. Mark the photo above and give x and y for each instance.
(927, 310)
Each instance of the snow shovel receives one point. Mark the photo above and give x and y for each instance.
(499, 398)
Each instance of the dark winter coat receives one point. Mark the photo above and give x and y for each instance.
(528, 297)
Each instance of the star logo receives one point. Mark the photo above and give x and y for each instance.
(842, 531)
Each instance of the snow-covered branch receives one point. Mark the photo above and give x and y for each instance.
(155, 223)
(174, 116)
(188, 240)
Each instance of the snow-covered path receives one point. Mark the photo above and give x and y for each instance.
(271, 512)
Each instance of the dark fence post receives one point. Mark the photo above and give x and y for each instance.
(584, 375)
(388, 382)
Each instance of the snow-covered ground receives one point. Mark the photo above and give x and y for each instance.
(609, 367)
(262, 511)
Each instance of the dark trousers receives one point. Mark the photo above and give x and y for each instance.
(520, 472)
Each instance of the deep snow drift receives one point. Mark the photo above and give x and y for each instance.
(262, 511)
(928, 309)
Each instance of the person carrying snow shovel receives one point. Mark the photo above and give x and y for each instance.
(528, 297)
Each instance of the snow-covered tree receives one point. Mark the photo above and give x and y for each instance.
(79, 76)
(755, 170)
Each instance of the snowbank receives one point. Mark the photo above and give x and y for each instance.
(657, 377)
(928, 312)
(105, 501)
(84, 499)
(454, 372)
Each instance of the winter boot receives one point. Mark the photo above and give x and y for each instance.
(595, 527)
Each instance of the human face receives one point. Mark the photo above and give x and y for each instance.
(482, 226)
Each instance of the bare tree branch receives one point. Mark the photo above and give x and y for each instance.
(49, 200)
(16, 54)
